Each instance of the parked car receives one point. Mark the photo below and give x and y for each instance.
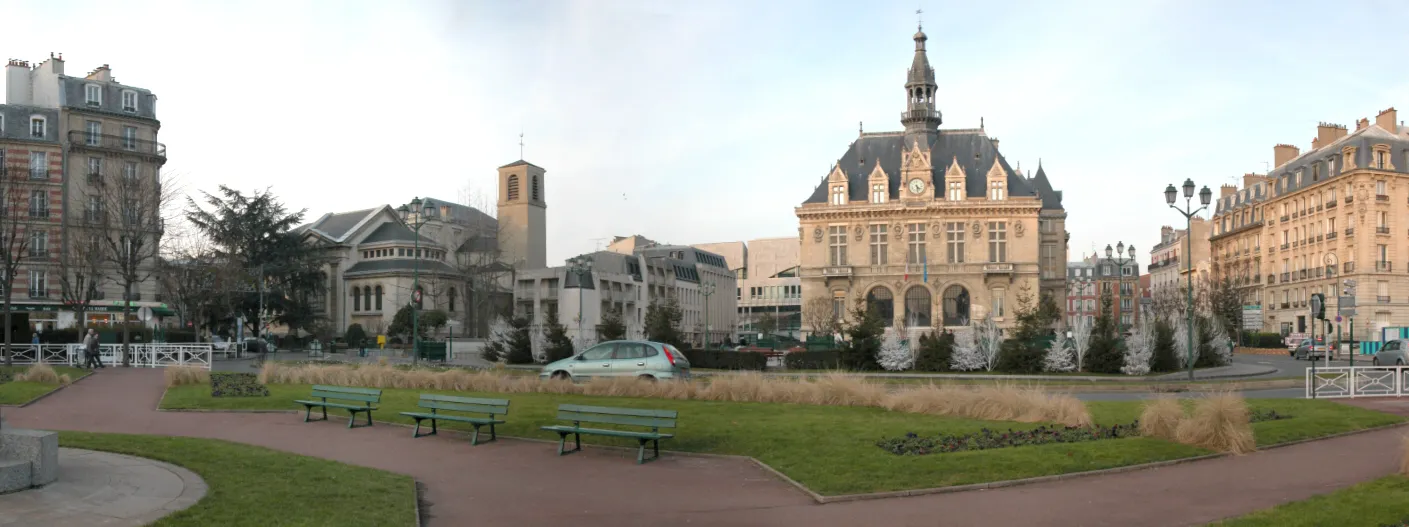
(622, 358)
(1305, 350)
(251, 345)
(1393, 353)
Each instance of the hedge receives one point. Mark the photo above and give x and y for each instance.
(726, 360)
(1263, 340)
(813, 360)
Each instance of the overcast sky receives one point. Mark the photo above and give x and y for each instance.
(709, 121)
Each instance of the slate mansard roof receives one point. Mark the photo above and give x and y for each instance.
(971, 148)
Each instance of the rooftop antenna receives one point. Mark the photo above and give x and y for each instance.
(599, 243)
(520, 144)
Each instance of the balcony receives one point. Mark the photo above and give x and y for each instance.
(1301, 275)
(1271, 279)
(1382, 299)
(837, 270)
(1286, 246)
(1286, 277)
(1331, 204)
(1285, 305)
(1381, 197)
(94, 178)
(1296, 214)
(998, 268)
(81, 139)
(1382, 230)
(1320, 272)
(1257, 279)
(1284, 217)
(36, 212)
(1319, 208)
(1331, 235)
(1349, 199)
(1348, 267)
(132, 297)
(1350, 231)
(1384, 267)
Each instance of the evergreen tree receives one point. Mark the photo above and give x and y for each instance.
(859, 352)
(559, 344)
(520, 348)
(893, 355)
(663, 323)
(496, 348)
(612, 327)
(1107, 354)
(1164, 359)
(934, 352)
(355, 335)
(1059, 355)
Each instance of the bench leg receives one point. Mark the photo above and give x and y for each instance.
(562, 441)
(641, 451)
(474, 439)
(308, 413)
(369, 419)
(434, 430)
(351, 418)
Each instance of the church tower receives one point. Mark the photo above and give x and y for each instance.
(921, 117)
(522, 232)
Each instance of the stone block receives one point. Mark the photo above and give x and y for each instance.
(15, 475)
(38, 447)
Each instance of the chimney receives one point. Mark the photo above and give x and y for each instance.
(1327, 133)
(1227, 190)
(995, 143)
(1251, 179)
(1281, 154)
(101, 73)
(17, 83)
(1166, 233)
(1389, 120)
(1362, 124)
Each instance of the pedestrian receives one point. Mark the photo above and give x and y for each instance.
(34, 339)
(90, 348)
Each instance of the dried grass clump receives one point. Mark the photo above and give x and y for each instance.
(993, 403)
(1220, 422)
(38, 373)
(1404, 456)
(1161, 418)
(184, 375)
(745, 387)
(65, 379)
(838, 389)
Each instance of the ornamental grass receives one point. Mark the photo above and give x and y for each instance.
(1220, 422)
(1161, 418)
(183, 375)
(42, 373)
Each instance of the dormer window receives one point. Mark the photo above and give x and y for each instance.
(878, 193)
(2, 124)
(839, 195)
(129, 101)
(995, 190)
(38, 127)
(93, 94)
(956, 191)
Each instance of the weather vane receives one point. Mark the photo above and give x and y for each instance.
(918, 21)
(520, 144)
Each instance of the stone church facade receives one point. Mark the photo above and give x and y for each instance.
(930, 228)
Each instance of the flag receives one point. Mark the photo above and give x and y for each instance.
(907, 270)
(925, 261)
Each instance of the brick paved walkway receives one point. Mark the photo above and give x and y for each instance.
(524, 483)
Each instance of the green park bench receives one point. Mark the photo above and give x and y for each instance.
(366, 396)
(437, 403)
(653, 419)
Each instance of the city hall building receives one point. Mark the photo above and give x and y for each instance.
(931, 227)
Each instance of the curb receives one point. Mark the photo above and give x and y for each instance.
(420, 500)
(50, 392)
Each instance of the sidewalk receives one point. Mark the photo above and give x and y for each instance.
(515, 482)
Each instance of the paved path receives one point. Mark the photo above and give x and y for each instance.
(523, 483)
(103, 489)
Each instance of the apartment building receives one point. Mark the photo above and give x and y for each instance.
(1169, 264)
(768, 284)
(1082, 303)
(1337, 211)
(87, 145)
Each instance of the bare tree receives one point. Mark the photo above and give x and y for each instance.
(818, 314)
(82, 265)
(485, 278)
(135, 204)
(24, 209)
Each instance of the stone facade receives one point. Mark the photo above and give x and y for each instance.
(930, 227)
(1168, 264)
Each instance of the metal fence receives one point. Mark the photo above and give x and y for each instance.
(1358, 381)
(143, 355)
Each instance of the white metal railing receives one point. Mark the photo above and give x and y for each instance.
(1359, 381)
(143, 355)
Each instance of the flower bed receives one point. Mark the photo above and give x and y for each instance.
(914, 445)
(236, 385)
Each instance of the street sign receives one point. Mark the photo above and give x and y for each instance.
(1346, 301)
(1252, 318)
(416, 296)
(144, 313)
(1349, 312)
(1338, 319)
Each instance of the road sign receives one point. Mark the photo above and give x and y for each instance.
(1346, 301)
(1338, 319)
(1348, 312)
(1252, 318)
(416, 296)
(144, 313)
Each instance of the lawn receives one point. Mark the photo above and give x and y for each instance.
(18, 393)
(1384, 501)
(255, 486)
(831, 449)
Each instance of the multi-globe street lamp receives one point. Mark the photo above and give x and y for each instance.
(415, 218)
(580, 267)
(1205, 197)
(1118, 256)
(706, 289)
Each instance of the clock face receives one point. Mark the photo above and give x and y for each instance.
(917, 186)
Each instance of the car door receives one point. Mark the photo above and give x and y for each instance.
(1391, 353)
(629, 359)
(595, 362)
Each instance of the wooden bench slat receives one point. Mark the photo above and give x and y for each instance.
(347, 396)
(609, 432)
(463, 400)
(472, 408)
(347, 389)
(616, 419)
(634, 412)
(337, 405)
(449, 417)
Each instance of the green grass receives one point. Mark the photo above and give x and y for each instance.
(1384, 501)
(255, 486)
(18, 393)
(831, 449)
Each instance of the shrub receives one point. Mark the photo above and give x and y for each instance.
(520, 345)
(914, 445)
(237, 385)
(559, 346)
(1107, 355)
(1164, 358)
(183, 375)
(180, 336)
(1263, 340)
(1220, 422)
(935, 352)
(1021, 357)
(41, 373)
(355, 336)
(725, 360)
(1161, 418)
(812, 360)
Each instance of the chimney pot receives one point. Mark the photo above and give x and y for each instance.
(1387, 118)
(1283, 153)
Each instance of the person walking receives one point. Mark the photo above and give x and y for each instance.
(90, 348)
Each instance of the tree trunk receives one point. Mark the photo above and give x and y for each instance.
(9, 354)
(126, 327)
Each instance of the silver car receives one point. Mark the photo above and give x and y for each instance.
(642, 359)
(1392, 354)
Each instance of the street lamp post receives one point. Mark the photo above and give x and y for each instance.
(1118, 256)
(1188, 210)
(706, 289)
(579, 267)
(415, 218)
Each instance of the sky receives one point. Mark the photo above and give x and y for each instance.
(707, 121)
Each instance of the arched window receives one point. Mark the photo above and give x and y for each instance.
(956, 306)
(535, 188)
(356, 299)
(367, 297)
(881, 302)
(513, 188)
(451, 293)
(917, 307)
(379, 298)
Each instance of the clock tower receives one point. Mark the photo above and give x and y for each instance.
(916, 173)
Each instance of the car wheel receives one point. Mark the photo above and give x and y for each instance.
(1375, 361)
(561, 376)
(1399, 362)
